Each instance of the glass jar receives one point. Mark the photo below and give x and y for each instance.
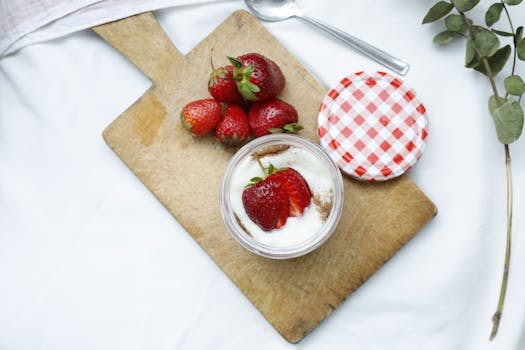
(301, 238)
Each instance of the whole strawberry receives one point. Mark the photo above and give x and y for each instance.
(222, 87)
(233, 129)
(266, 204)
(200, 117)
(258, 78)
(273, 116)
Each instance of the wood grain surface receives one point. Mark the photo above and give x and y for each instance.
(184, 174)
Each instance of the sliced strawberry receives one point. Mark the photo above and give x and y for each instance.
(305, 189)
(266, 204)
(293, 190)
(284, 204)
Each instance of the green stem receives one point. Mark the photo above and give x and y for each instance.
(508, 16)
(491, 78)
(497, 315)
(496, 318)
(265, 172)
(503, 289)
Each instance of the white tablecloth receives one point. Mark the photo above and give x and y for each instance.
(89, 259)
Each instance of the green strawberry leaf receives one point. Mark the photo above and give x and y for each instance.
(246, 88)
(248, 70)
(184, 123)
(246, 92)
(253, 87)
(292, 128)
(236, 63)
(253, 181)
(512, 2)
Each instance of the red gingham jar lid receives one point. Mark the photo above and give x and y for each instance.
(372, 126)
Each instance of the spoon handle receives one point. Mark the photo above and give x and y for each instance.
(373, 52)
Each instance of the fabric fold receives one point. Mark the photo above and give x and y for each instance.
(25, 22)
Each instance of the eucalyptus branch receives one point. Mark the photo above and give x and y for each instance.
(485, 55)
(496, 318)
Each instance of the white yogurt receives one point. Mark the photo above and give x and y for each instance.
(297, 229)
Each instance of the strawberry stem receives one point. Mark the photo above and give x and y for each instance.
(262, 167)
(242, 75)
(211, 60)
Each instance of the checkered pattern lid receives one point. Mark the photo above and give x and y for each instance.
(372, 126)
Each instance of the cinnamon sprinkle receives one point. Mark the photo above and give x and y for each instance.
(270, 151)
(241, 225)
(323, 206)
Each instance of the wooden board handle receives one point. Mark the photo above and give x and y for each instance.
(142, 41)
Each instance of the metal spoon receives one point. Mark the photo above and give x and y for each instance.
(277, 10)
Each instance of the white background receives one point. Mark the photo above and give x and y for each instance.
(90, 260)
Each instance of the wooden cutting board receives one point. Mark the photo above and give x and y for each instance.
(184, 174)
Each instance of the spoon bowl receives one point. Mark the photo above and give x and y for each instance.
(278, 10)
(273, 10)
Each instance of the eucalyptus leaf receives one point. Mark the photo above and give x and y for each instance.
(493, 104)
(521, 49)
(508, 119)
(455, 23)
(487, 43)
(517, 37)
(514, 85)
(439, 10)
(512, 2)
(502, 33)
(465, 5)
(496, 61)
(493, 13)
(471, 56)
(444, 37)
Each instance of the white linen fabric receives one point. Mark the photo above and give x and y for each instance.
(24, 22)
(89, 259)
